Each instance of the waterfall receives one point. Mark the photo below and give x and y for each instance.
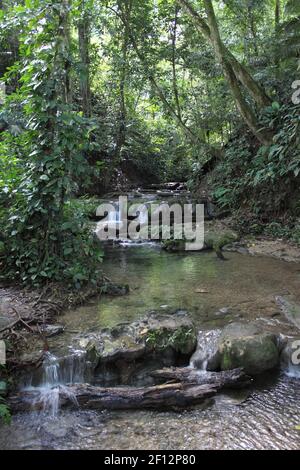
(207, 350)
(293, 371)
(290, 359)
(56, 373)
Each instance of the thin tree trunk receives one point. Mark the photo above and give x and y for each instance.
(277, 32)
(245, 110)
(189, 133)
(160, 92)
(84, 45)
(252, 28)
(240, 71)
(65, 40)
(174, 42)
(121, 132)
(277, 15)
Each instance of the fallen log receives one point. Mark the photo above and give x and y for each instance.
(89, 397)
(228, 379)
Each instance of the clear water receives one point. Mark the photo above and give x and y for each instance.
(265, 417)
(244, 285)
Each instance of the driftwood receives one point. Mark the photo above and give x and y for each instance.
(194, 387)
(90, 397)
(228, 379)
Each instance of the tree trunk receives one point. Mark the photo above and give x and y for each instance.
(121, 131)
(125, 398)
(84, 45)
(245, 110)
(169, 107)
(160, 92)
(174, 42)
(254, 89)
(277, 34)
(228, 379)
(277, 15)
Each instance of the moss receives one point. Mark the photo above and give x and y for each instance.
(182, 340)
(226, 361)
(174, 245)
(217, 241)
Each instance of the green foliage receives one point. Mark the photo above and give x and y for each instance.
(159, 102)
(44, 242)
(161, 340)
(5, 415)
(266, 182)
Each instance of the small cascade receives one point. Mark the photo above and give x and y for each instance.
(207, 350)
(293, 371)
(56, 374)
(290, 357)
(50, 370)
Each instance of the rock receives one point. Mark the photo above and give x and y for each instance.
(31, 358)
(130, 348)
(115, 289)
(176, 332)
(53, 330)
(290, 309)
(247, 347)
(174, 246)
(216, 237)
(238, 346)
(223, 312)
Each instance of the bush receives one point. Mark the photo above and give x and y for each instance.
(265, 180)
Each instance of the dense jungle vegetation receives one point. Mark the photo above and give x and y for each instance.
(98, 95)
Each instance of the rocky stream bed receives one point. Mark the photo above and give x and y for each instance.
(196, 356)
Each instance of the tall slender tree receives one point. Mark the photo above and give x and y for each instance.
(84, 39)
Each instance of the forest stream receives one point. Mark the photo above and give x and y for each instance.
(215, 293)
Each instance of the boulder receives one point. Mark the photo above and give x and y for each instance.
(238, 345)
(216, 237)
(246, 346)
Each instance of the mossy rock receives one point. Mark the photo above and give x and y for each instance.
(246, 347)
(182, 340)
(115, 290)
(155, 335)
(216, 240)
(173, 246)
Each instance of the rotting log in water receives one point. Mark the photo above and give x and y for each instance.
(89, 397)
(228, 379)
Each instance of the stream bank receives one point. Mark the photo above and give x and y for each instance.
(216, 294)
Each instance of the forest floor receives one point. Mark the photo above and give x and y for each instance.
(29, 316)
